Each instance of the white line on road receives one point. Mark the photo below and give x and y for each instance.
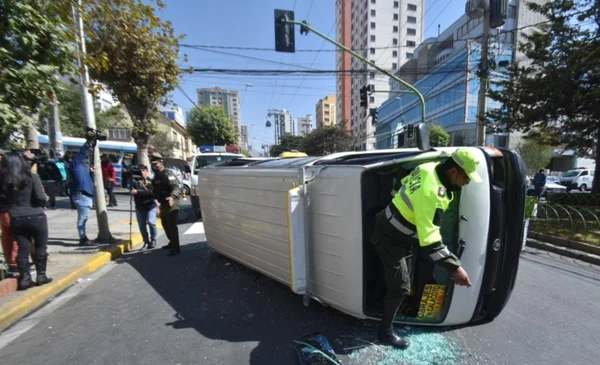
(196, 228)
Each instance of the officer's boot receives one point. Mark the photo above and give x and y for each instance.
(386, 333)
(25, 281)
(40, 267)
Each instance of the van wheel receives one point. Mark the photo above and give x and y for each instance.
(583, 187)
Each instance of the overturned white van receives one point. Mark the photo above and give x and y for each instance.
(306, 222)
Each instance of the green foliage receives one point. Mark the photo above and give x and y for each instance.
(287, 142)
(136, 54)
(163, 144)
(211, 125)
(326, 140)
(530, 203)
(553, 95)
(245, 152)
(438, 137)
(35, 47)
(534, 155)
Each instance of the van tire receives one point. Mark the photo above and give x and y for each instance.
(583, 187)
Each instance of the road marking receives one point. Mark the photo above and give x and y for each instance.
(196, 228)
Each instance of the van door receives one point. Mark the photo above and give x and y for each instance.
(297, 239)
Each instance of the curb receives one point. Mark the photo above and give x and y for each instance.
(568, 252)
(567, 243)
(18, 308)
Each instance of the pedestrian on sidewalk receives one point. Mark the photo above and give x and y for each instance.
(539, 182)
(166, 192)
(109, 175)
(28, 220)
(82, 189)
(9, 244)
(145, 205)
(51, 177)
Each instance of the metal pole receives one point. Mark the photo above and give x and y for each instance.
(90, 121)
(483, 79)
(396, 78)
(54, 131)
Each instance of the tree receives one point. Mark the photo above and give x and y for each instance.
(35, 47)
(438, 137)
(135, 55)
(287, 142)
(163, 144)
(245, 152)
(553, 95)
(326, 140)
(535, 156)
(210, 125)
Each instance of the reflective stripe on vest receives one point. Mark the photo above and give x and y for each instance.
(396, 223)
(440, 254)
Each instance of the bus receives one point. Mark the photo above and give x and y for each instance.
(121, 154)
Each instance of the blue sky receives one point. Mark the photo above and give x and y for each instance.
(249, 23)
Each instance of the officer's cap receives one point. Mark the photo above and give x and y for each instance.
(157, 157)
(468, 160)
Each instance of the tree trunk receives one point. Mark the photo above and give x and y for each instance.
(596, 182)
(142, 141)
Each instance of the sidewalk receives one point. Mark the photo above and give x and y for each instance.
(67, 261)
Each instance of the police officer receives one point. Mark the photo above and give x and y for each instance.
(414, 217)
(166, 192)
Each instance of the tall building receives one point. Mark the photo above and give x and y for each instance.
(228, 99)
(384, 31)
(175, 113)
(304, 125)
(325, 111)
(448, 79)
(282, 123)
(244, 136)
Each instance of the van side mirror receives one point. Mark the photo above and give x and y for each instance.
(187, 169)
(423, 137)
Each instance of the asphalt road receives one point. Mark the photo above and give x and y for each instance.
(201, 308)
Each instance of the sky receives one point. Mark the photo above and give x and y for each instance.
(249, 23)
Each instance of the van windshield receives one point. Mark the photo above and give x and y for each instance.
(571, 173)
(203, 161)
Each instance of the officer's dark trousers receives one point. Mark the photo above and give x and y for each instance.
(393, 248)
(168, 218)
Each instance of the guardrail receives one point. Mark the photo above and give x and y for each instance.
(580, 223)
(575, 199)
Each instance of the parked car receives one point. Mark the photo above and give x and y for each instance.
(550, 186)
(580, 179)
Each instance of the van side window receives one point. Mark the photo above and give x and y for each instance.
(584, 173)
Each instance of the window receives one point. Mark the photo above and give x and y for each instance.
(396, 4)
(395, 41)
(372, 99)
(372, 75)
(412, 7)
(512, 12)
(372, 50)
(372, 12)
(411, 20)
(395, 29)
(372, 25)
(394, 66)
(410, 43)
(372, 38)
(394, 53)
(395, 16)
(119, 133)
(411, 31)
(409, 55)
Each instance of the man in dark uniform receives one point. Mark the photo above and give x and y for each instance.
(166, 192)
(413, 219)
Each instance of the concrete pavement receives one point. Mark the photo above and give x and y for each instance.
(201, 308)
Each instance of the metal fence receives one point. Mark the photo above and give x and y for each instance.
(573, 222)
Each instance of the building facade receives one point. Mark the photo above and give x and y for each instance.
(244, 136)
(175, 113)
(448, 79)
(384, 31)
(304, 125)
(325, 111)
(228, 99)
(282, 123)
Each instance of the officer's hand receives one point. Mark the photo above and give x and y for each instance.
(461, 277)
(170, 201)
(134, 191)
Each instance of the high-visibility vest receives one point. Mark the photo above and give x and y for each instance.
(422, 201)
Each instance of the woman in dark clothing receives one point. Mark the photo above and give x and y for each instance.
(28, 220)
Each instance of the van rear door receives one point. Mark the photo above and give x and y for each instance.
(297, 239)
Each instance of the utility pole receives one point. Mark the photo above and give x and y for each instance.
(90, 122)
(483, 76)
(54, 131)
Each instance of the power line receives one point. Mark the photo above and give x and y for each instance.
(186, 95)
(253, 58)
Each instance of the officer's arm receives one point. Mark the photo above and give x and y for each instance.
(174, 185)
(428, 218)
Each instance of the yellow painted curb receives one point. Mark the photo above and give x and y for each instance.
(16, 309)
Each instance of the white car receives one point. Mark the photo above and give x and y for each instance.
(549, 187)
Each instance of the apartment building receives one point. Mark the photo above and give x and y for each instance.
(384, 31)
(228, 99)
(304, 125)
(325, 111)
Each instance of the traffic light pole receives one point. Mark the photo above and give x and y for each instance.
(306, 27)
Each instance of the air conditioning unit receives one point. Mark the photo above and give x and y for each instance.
(475, 8)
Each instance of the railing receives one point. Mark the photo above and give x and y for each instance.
(571, 222)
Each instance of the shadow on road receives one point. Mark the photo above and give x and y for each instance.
(223, 300)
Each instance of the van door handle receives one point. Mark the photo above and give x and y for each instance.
(461, 247)
(462, 217)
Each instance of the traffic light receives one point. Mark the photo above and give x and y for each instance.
(364, 98)
(373, 114)
(410, 131)
(285, 40)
